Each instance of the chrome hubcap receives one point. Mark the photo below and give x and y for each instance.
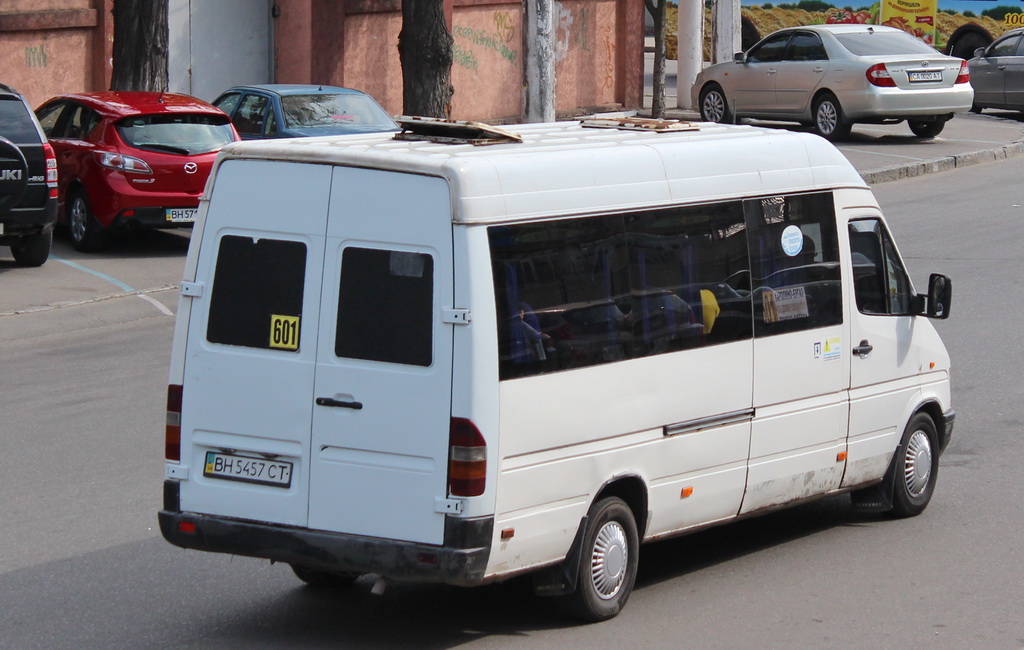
(608, 560)
(827, 117)
(714, 107)
(917, 466)
(78, 217)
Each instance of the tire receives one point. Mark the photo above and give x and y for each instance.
(318, 578)
(87, 234)
(829, 120)
(917, 467)
(977, 109)
(926, 129)
(714, 107)
(608, 562)
(33, 250)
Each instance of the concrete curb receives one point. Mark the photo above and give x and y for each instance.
(911, 170)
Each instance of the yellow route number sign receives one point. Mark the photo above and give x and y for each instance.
(284, 332)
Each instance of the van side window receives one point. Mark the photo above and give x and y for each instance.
(257, 293)
(881, 283)
(386, 306)
(794, 251)
(580, 292)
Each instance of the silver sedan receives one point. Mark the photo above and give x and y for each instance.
(833, 76)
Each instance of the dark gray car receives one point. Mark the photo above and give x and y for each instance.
(28, 182)
(997, 73)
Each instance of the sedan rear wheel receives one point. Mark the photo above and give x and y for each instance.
(829, 121)
(926, 128)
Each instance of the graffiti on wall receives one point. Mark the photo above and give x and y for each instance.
(495, 41)
(35, 57)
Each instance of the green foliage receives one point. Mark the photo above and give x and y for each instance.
(999, 13)
(970, 14)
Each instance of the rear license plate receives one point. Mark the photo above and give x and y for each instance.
(248, 469)
(931, 75)
(181, 215)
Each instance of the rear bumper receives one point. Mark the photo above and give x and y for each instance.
(148, 218)
(875, 103)
(29, 221)
(460, 561)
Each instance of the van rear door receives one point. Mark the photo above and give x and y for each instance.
(251, 346)
(384, 366)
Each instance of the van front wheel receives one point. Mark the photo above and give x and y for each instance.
(318, 578)
(608, 562)
(917, 467)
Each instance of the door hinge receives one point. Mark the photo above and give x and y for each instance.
(448, 506)
(191, 289)
(455, 316)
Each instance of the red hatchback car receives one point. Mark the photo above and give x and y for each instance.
(127, 159)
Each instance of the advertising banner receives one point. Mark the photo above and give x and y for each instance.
(914, 16)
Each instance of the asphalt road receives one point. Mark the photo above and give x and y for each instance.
(84, 343)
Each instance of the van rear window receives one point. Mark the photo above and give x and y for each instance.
(257, 293)
(385, 306)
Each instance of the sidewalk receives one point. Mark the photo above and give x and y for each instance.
(889, 152)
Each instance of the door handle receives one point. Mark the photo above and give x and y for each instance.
(819, 69)
(330, 401)
(864, 349)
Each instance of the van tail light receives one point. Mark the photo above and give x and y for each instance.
(965, 74)
(51, 170)
(878, 75)
(467, 459)
(172, 432)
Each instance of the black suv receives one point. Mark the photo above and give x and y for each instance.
(28, 182)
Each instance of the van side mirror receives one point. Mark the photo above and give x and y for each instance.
(940, 290)
(739, 57)
(980, 52)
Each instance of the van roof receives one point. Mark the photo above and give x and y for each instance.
(566, 168)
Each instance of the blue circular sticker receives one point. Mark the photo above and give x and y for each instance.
(792, 241)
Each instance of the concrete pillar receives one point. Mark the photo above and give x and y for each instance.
(540, 61)
(727, 30)
(690, 48)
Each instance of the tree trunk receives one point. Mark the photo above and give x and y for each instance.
(425, 50)
(140, 45)
(658, 13)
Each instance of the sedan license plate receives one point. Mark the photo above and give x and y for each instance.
(181, 215)
(248, 469)
(930, 75)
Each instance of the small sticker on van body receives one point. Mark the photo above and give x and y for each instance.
(284, 332)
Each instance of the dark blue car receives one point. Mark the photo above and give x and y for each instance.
(294, 110)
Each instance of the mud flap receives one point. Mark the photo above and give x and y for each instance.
(560, 579)
(878, 498)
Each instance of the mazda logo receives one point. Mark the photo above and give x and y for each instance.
(191, 168)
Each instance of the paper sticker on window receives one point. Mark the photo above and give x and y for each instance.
(792, 241)
(284, 332)
(784, 304)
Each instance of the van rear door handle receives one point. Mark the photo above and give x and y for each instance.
(330, 401)
(864, 349)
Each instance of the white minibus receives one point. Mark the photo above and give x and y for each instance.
(459, 354)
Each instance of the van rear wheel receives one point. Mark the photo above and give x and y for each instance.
(608, 562)
(318, 578)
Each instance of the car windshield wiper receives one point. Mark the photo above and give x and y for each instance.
(165, 147)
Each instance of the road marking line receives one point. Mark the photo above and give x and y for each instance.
(117, 283)
(103, 276)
